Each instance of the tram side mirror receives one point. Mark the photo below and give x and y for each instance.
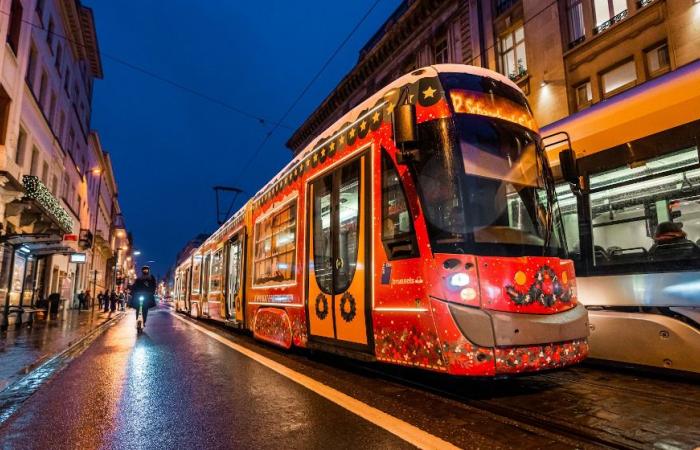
(569, 168)
(405, 133)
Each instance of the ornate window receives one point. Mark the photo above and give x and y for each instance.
(619, 78)
(574, 12)
(608, 12)
(512, 53)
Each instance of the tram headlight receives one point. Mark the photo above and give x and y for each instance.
(459, 280)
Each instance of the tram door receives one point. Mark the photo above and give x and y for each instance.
(234, 289)
(337, 298)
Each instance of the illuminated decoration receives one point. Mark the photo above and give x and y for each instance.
(546, 289)
(35, 189)
(482, 104)
(348, 307)
(425, 92)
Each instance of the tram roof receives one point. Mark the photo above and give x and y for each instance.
(666, 102)
(352, 116)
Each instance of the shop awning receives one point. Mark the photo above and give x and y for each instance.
(657, 105)
(37, 212)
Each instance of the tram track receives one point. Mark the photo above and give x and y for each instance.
(567, 377)
(530, 420)
(541, 424)
(555, 415)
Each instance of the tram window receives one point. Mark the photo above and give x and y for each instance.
(323, 244)
(648, 213)
(196, 273)
(275, 245)
(217, 266)
(234, 268)
(396, 217)
(348, 224)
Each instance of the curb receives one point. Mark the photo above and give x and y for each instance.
(42, 371)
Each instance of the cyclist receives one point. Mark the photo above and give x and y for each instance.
(144, 286)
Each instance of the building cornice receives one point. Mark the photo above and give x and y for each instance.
(80, 24)
(396, 32)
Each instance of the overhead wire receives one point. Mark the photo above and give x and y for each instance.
(306, 88)
(284, 116)
(260, 119)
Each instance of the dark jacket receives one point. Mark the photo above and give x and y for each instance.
(145, 286)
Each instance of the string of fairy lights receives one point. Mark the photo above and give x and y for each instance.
(37, 191)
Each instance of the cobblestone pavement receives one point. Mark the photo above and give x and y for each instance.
(24, 347)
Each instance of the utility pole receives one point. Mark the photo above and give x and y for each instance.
(97, 171)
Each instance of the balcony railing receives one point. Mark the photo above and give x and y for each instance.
(607, 24)
(644, 3)
(576, 42)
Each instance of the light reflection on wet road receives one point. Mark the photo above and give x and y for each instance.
(175, 387)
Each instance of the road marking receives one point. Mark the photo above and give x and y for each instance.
(404, 430)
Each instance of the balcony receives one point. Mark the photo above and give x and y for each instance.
(608, 23)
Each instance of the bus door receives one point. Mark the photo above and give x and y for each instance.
(337, 299)
(235, 278)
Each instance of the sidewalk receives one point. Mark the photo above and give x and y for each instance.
(24, 348)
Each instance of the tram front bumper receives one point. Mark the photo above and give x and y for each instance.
(487, 328)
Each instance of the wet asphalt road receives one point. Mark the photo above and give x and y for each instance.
(176, 387)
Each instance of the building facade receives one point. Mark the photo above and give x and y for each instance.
(53, 170)
(566, 55)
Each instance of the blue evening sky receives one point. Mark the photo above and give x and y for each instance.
(170, 147)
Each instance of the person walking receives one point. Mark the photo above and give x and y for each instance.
(81, 300)
(88, 299)
(113, 299)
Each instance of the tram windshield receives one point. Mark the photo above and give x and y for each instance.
(484, 191)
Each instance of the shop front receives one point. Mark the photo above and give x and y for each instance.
(34, 226)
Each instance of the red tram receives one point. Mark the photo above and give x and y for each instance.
(421, 229)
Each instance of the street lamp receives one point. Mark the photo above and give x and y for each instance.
(97, 172)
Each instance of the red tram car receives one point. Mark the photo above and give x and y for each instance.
(421, 229)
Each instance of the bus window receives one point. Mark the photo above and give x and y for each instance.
(568, 209)
(647, 213)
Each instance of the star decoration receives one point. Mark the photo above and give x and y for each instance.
(429, 92)
(375, 117)
(332, 146)
(390, 108)
(363, 125)
(352, 132)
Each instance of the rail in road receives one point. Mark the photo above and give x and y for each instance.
(589, 406)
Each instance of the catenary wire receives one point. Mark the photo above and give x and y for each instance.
(303, 92)
(271, 131)
(260, 119)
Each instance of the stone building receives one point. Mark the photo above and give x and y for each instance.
(51, 164)
(566, 55)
